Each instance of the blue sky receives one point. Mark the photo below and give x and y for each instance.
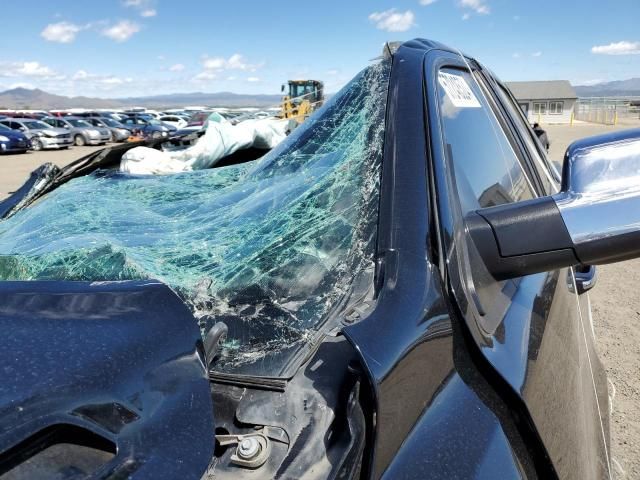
(114, 48)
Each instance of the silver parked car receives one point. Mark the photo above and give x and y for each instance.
(82, 132)
(119, 133)
(42, 135)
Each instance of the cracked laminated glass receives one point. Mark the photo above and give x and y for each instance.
(275, 248)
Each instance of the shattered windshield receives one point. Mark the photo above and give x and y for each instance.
(273, 247)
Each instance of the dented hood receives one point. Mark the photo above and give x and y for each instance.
(101, 379)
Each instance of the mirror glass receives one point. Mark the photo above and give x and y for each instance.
(610, 168)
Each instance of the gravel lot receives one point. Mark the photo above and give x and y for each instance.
(15, 169)
(615, 301)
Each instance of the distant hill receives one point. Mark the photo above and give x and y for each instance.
(37, 99)
(40, 100)
(623, 88)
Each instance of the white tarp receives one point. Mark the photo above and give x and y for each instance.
(219, 141)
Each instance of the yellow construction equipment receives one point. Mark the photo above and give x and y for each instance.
(304, 97)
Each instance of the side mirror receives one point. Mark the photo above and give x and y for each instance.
(282, 88)
(595, 219)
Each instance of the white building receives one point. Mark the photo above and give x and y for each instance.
(549, 101)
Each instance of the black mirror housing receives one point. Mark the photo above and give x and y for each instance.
(595, 219)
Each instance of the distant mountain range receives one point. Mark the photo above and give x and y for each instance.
(36, 99)
(622, 88)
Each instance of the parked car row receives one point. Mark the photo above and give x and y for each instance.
(38, 130)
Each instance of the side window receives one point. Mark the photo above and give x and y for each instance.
(556, 107)
(547, 175)
(487, 170)
(540, 107)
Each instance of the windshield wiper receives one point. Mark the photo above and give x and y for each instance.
(263, 383)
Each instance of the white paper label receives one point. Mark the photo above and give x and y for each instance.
(458, 91)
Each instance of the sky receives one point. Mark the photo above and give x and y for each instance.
(121, 48)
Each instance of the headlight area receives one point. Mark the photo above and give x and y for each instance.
(3, 138)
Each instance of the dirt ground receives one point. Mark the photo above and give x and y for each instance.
(615, 302)
(15, 168)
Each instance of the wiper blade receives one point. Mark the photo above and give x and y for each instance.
(263, 383)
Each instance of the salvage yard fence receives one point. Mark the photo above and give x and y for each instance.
(608, 110)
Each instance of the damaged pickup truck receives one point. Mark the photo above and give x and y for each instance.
(397, 290)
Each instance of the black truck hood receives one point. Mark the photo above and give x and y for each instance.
(101, 380)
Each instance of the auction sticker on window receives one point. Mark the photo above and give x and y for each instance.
(458, 90)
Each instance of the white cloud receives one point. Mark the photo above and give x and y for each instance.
(34, 69)
(617, 48)
(217, 63)
(26, 85)
(237, 62)
(101, 81)
(466, 16)
(393, 21)
(112, 81)
(536, 54)
(214, 66)
(515, 55)
(478, 6)
(178, 67)
(61, 32)
(160, 57)
(80, 75)
(121, 31)
(234, 62)
(427, 2)
(593, 81)
(26, 69)
(205, 76)
(145, 7)
(231, 78)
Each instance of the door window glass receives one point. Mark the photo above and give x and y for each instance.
(487, 171)
(547, 175)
